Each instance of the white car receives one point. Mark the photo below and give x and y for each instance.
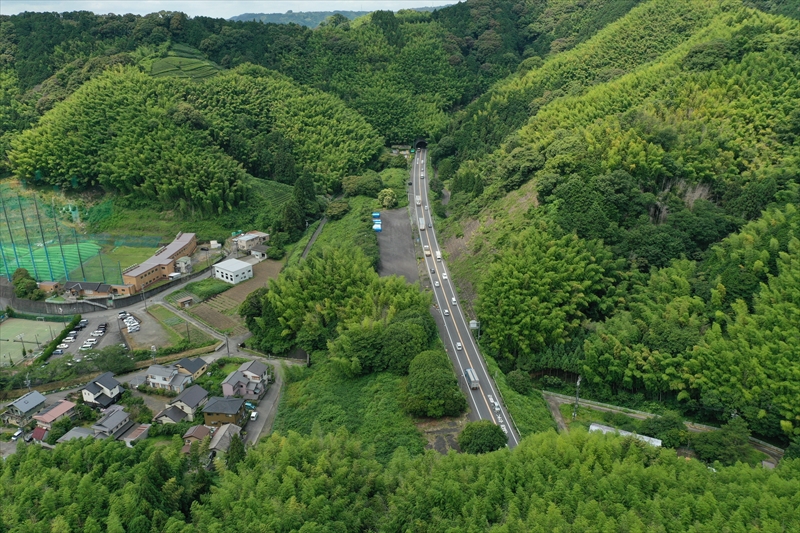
(132, 329)
(86, 347)
(98, 333)
(63, 346)
(453, 301)
(69, 339)
(91, 341)
(435, 283)
(254, 415)
(446, 312)
(444, 275)
(458, 346)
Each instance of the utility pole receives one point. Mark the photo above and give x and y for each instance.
(577, 391)
(227, 346)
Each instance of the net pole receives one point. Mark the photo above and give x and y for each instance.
(102, 268)
(5, 263)
(28, 238)
(60, 246)
(8, 225)
(80, 259)
(44, 240)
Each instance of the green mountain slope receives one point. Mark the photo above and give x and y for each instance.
(659, 164)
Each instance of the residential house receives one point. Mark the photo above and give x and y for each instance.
(21, 410)
(259, 251)
(75, 433)
(219, 411)
(221, 440)
(246, 241)
(134, 434)
(102, 391)
(114, 423)
(169, 415)
(39, 434)
(194, 367)
(194, 434)
(167, 377)
(57, 411)
(249, 381)
(190, 400)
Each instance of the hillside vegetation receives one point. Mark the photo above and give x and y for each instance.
(631, 183)
(575, 482)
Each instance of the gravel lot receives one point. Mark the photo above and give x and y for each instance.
(396, 243)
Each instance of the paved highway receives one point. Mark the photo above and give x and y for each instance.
(484, 401)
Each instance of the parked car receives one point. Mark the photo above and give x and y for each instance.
(91, 341)
(63, 346)
(57, 352)
(132, 329)
(69, 339)
(254, 416)
(17, 434)
(98, 333)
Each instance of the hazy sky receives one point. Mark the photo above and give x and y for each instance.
(210, 8)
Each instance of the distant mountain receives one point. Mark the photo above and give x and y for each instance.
(311, 19)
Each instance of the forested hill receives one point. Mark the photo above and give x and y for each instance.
(574, 483)
(312, 19)
(650, 188)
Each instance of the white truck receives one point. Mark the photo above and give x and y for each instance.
(472, 378)
(427, 249)
(422, 224)
(419, 200)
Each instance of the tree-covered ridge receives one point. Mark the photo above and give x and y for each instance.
(177, 142)
(642, 36)
(577, 482)
(659, 165)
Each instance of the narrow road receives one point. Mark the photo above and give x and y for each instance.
(314, 237)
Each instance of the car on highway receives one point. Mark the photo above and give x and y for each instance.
(433, 271)
(429, 225)
(435, 283)
(444, 275)
(446, 312)
(453, 301)
(458, 346)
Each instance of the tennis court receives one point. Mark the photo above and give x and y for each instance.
(17, 332)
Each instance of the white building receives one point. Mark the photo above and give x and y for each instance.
(233, 271)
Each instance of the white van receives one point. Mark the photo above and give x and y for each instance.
(419, 200)
(438, 255)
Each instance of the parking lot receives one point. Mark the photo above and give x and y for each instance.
(111, 336)
(396, 243)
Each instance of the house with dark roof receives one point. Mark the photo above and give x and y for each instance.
(55, 412)
(169, 415)
(194, 434)
(167, 377)
(75, 433)
(21, 410)
(219, 411)
(193, 367)
(114, 423)
(190, 400)
(102, 391)
(221, 440)
(249, 381)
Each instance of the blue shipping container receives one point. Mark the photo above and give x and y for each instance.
(376, 215)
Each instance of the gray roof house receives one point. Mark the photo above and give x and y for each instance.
(219, 411)
(238, 384)
(221, 440)
(102, 391)
(254, 370)
(167, 377)
(114, 423)
(170, 415)
(190, 400)
(75, 433)
(21, 410)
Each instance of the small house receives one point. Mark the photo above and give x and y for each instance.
(114, 423)
(190, 400)
(194, 367)
(194, 434)
(221, 440)
(21, 410)
(102, 391)
(167, 378)
(219, 411)
(246, 241)
(39, 434)
(185, 302)
(48, 416)
(75, 433)
(259, 251)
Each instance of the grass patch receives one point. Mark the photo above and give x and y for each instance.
(396, 179)
(108, 267)
(354, 229)
(368, 407)
(586, 416)
(206, 288)
(530, 413)
(177, 325)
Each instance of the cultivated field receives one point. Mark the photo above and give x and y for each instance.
(30, 331)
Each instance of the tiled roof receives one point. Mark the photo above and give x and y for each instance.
(192, 365)
(55, 411)
(107, 380)
(29, 401)
(256, 367)
(191, 396)
(198, 432)
(224, 406)
(173, 413)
